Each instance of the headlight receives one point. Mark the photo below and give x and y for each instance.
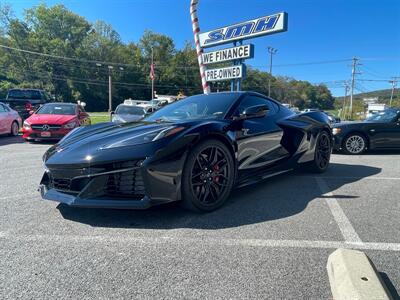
(70, 125)
(27, 125)
(146, 137)
(336, 131)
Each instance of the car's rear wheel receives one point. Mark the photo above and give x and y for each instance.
(14, 129)
(208, 176)
(354, 143)
(322, 153)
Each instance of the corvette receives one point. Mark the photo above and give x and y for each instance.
(194, 151)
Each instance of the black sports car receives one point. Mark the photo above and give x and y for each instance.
(379, 131)
(193, 151)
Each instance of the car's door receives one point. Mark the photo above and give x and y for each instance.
(3, 119)
(385, 134)
(259, 138)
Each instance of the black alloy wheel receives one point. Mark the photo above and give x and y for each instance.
(208, 176)
(322, 153)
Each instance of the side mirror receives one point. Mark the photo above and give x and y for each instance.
(31, 112)
(112, 112)
(256, 111)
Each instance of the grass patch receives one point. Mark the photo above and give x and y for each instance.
(99, 117)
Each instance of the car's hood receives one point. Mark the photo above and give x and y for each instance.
(50, 119)
(347, 123)
(100, 142)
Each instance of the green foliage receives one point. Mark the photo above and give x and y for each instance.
(57, 31)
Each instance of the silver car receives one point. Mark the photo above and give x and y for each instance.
(128, 113)
(10, 121)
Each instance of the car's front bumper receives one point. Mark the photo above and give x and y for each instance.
(338, 141)
(71, 200)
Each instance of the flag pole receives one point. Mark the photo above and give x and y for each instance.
(152, 72)
(196, 30)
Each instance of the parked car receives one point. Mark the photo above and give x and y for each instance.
(53, 121)
(195, 151)
(379, 131)
(10, 121)
(128, 113)
(25, 100)
(332, 118)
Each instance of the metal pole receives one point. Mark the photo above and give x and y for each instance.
(271, 52)
(346, 90)
(152, 79)
(196, 30)
(353, 79)
(109, 90)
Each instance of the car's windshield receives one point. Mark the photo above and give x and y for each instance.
(383, 116)
(213, 106)
(57, 109)
(24, 94)
(129, 110)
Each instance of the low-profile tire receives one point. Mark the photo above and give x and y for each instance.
(208, 176)
(322, 153)
(14, 130)
(354, 144)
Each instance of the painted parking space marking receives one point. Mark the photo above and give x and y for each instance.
(348, 231)
(202, 240)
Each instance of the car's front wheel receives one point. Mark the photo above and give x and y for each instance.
(355, 144)
(208, 176)
(322, 153)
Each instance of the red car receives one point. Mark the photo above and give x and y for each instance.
(53, 121)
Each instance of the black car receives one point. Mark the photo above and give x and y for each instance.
(193, 151)
(379, 131)
(26, 100)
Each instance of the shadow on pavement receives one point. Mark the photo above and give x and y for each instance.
(276, 198)
(8, 140)
(390, 286)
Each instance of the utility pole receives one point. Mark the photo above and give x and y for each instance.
(353, 79)
(152, 73)
(394, 84)
(346, 90)
(271, 52)
(110, 89)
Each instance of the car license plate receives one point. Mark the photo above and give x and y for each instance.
(45, 134)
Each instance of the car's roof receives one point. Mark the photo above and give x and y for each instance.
(61, 103)
(21, 89)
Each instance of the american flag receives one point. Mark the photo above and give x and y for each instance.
(152, 74)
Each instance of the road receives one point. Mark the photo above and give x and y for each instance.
(271, 241)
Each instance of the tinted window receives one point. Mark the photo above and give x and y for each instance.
(250, 101)
(129, 110)
(383, 116)
(213, 106)
(24, 94)
(56, 109)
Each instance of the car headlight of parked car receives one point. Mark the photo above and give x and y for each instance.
(336, 131)
(146, 137)
(70, 125)
(27, 125)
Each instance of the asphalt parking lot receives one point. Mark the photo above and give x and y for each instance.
(271, 240)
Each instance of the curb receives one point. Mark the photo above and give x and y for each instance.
(352, 275)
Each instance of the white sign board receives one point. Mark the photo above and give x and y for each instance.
(227, 73)
(245, 30)
(240, 52)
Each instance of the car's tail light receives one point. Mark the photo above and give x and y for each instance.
(28, 106)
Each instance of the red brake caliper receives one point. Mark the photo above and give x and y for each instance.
(216, 178)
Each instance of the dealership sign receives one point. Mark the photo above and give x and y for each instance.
(223, 55)
(245, 30)
(228, 73)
